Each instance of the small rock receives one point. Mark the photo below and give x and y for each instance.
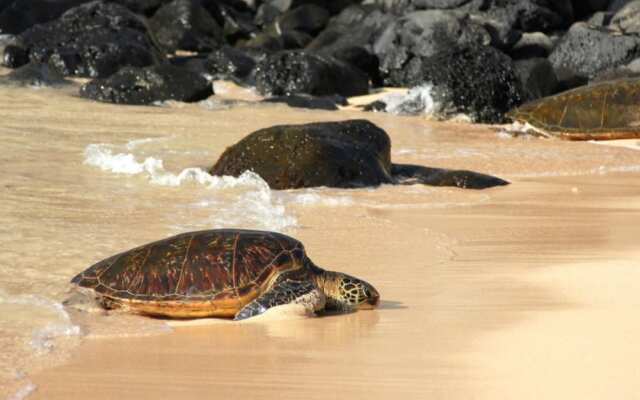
(147, 85)
(353, 153)
(34, 75)
(290, 72)
(627, 19)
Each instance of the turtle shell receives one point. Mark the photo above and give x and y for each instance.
(605, 110)
(206, 273)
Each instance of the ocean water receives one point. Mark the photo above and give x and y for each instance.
(81, 181)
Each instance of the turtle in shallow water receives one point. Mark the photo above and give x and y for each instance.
(221, 273)
(601, 111)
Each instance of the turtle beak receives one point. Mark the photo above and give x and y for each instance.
(372, 300)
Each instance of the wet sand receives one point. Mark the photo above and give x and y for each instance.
(524, 291)
(535, 298)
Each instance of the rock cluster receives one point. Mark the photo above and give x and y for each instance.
(482, 56)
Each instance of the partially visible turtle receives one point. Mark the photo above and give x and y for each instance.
(601, 111)
(221, 273)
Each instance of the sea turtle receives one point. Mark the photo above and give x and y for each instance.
(221, 273)
(600, 111)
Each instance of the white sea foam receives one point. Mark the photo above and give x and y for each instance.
(23, 392)
(314, 199)
(248, 200)
(59, 325)
(418, 100)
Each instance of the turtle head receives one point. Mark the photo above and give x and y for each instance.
(345, 293)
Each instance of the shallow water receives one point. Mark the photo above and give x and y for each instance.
(81, 181)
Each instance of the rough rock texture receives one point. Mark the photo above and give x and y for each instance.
(19, 15)
(352, 153)
(627, 19)
(290, 72)
(538, 78)
(185, 25)
(533, 15)
(147, 85)
(423, 34)
(532, 45)
(588, 52)
(94, 40)
(480, 82)
(230, 63)
(34, 75)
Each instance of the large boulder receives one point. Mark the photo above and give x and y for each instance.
(587, 52)
(478, 81)
(290, 72)
(92, 40)
(423, 34)
(354, 153)
(148, 85)
(532, 15)
(185, 25)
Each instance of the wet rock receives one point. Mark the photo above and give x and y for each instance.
(147, 85)
(532, 15)
(94, 40)
(34, 75)
(538, 78)
(311, 102)
(354, 153)
(503, 36)
(480, 82)
(627, 19)
(185, 25)
(230, 63)
(423, 34)
(407, 174)
(587, 52)
(19, 15)
(290, 72)
(292, 40)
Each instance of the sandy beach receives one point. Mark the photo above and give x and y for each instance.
(530, 295)
(525, 291)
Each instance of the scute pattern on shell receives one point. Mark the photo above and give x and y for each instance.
(206, 265)
(606, 110)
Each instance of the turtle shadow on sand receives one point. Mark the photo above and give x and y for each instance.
(345, 154)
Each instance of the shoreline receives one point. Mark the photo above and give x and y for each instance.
(511, 269)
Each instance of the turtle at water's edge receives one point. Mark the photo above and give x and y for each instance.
(230, 273)
(601, 111)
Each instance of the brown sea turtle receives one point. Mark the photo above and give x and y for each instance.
(221, 273)
(601, 111)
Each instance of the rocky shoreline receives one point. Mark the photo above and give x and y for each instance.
(483, 57)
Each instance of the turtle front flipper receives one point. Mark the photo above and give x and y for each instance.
(286, 291)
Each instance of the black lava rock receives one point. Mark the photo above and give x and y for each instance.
(230, 63)
(20, 15)
(290, 72)
(478, 81)
(185, 25)
(147, 85)
(532, 15)
(352, 153)
(34, 75)
(587, 51)
(423, 34)
(94, 40)
(308, 18)
(538, 78)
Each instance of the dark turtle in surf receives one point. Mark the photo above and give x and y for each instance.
(221, 273)
(601, 111)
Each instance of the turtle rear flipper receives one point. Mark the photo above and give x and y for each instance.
(284, 292)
